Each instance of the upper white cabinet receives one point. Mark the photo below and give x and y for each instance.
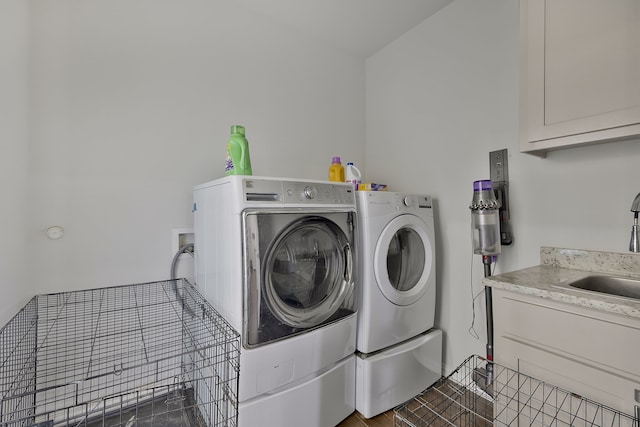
(579, 72)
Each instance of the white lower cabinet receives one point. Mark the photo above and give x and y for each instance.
(588, 352)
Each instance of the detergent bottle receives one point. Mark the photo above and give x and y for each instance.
(336, 170)
(352, 175)
(238, 160)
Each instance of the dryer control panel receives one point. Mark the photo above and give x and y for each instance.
(414, 200)
(400, 201)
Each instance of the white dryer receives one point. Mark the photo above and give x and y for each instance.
(275, 256)
(399, 354)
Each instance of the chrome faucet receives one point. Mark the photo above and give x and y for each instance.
(634, 245)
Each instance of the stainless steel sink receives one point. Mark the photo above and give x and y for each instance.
(619, 286)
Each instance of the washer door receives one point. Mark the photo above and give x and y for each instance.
(307, 272)
(299, 273)
(404, 259)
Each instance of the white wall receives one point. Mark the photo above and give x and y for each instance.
(442, 97)
(13, 157)
(132, 104)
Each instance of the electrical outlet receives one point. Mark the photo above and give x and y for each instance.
(179, 238)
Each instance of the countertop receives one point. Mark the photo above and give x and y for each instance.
(558, 266)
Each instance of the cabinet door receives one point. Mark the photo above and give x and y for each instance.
(580, 72)
(587, 352)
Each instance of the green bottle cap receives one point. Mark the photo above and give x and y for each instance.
(237, 129)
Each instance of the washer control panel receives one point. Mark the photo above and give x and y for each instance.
(298, 192)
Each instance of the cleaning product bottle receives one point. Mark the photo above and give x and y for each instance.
(238, 160)
(336, 170)
(352, 174)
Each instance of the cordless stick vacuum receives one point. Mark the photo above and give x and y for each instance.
(485, 231)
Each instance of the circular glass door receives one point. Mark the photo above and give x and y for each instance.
(403, 260)
(307, 272)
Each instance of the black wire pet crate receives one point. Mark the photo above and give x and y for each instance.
(152, 354)
(467, 397)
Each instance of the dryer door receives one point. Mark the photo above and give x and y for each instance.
(300, 273)
(404, 259)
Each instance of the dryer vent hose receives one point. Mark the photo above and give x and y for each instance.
(188, 249)
(185, 249)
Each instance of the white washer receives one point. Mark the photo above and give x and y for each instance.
(274, 257)
(399, 354)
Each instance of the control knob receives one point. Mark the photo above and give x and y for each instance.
(309, 192)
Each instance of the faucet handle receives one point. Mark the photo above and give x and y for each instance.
(635, 206)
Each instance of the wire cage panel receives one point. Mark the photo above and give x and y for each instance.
(481, 394)
(147, 354)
